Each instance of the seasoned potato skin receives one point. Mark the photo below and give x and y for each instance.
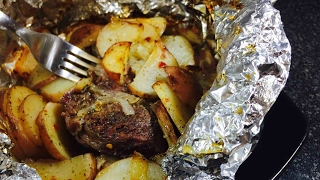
(184, 85)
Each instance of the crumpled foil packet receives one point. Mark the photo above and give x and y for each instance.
(253, 68)
(10, 169)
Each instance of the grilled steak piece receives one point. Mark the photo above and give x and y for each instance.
(99, 119)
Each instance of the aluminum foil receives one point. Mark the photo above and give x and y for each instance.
(254, 64)
(10, 169)
(254, 67)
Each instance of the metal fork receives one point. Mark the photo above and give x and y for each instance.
(51, 52)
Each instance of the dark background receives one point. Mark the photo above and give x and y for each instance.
(301, 19)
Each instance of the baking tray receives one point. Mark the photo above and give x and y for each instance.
(284, 131)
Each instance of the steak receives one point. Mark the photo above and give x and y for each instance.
(106, 118)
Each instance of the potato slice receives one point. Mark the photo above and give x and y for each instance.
(165, 123)
(53, 132)
(56, 89)
(125, 169)
(39, 77)
(159, 23)
(152, 71)
(115, 61)
(2, 102)
(181, 49)
(13, 54)
(28, 113)
(117, 31)
(25, 64)
(14, 98)
(85, 35)
(179, 112)
(79, 167)
(16, 151)
(144, 46)
(184, 85)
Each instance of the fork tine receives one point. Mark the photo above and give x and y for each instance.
(78, 61)
(66, 74)
(77, 51)
(73, 68)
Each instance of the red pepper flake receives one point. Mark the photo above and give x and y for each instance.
(166, 99)
(162, 64)
(55, 127)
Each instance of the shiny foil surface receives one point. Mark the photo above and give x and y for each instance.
(253, 69)
(254, 65)
(10, 169)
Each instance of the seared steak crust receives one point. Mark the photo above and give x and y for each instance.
(107, 129)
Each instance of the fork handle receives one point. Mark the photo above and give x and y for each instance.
(10, 24)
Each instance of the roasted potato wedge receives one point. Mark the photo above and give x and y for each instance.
(25, 63)
(84, 35)
(82, 167)
(115, 61)
(184, 85)
(144, 46)
(16, 151)
(117, 31)
(159, 23)
(2, 101)
(56, 89)
(181, 49)
(14, 98)
(179, 112)
(134, 167)
(39, 77)
(28, 113)
(53, 132)
(152, 71)
(13, 55)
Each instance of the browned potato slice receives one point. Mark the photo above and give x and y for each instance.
(115, 61)
(16, 151)
(159, 23)
(28, 113)
(152, 71)
(13, 54)
(181, 49)
(132, 168)
(39, 77)
(14, 98)
(25, 64)
(117, 31)
(144, 46)
(79, 167)
(53, 132)
(85, 35)
(184, 85)
(165, 123)
(56, 89)
(179, 112)
(2, 102)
